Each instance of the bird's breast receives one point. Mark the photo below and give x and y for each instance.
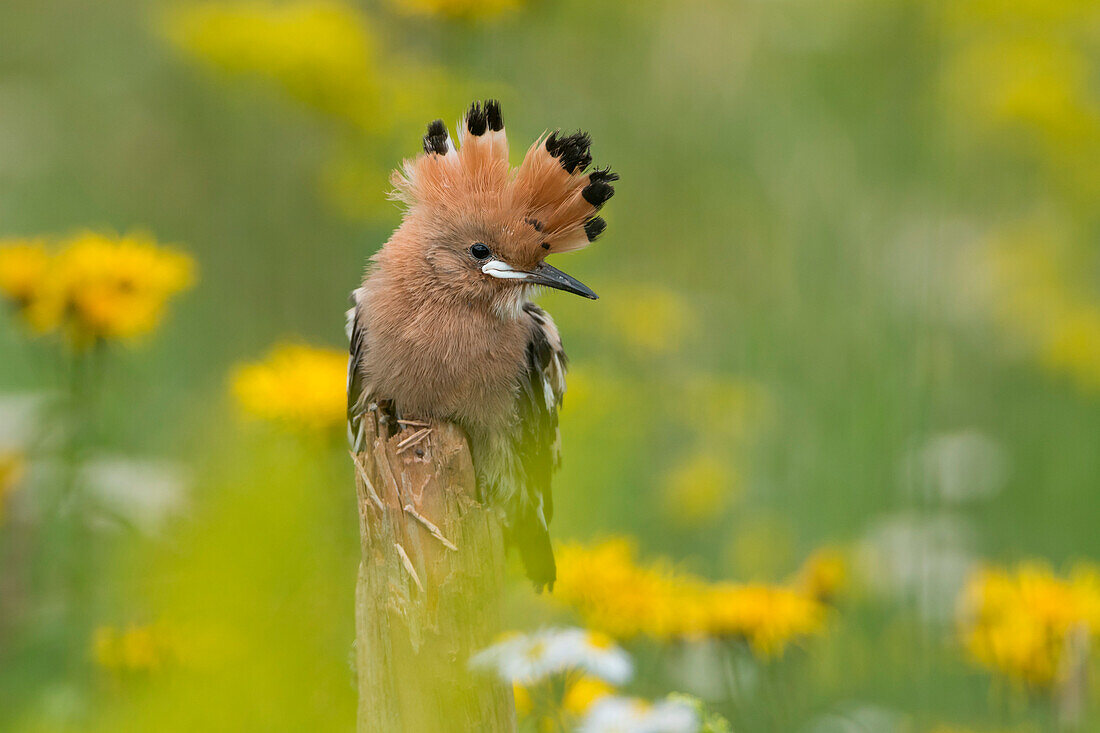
(453, 364)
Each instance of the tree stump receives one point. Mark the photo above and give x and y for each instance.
(430, 582)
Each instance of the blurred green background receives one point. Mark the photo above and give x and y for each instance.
(849, 298)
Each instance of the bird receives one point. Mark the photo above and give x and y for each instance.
(443, 326)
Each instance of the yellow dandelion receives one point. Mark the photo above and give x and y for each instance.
(298, 386)
(582, 692)
(97, 286)
(319, 51)
(133, 649)
(823, 575)
(1019, 623)
(769, 618)
(1072, 345)
(524, 706)
(1025, 69)
(24, 267)
(1040, 300)
(615, 593)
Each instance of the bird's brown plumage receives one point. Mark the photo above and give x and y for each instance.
(443, 333)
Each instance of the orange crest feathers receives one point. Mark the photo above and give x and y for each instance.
(550, 191)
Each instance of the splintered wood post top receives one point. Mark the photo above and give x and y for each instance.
(430, 582)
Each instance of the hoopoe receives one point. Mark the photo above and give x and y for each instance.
(443, 326)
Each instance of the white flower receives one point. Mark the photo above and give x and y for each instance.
(21, 419)
(956, 468)
(631, 715)
(142, 493)
(529, 658)
(919, 559)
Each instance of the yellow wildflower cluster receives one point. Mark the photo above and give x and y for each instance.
(329, 56)
(613, 592)
(93, 286)
(24, 267)
(134, 648)
(1026, 67)
(299, 386)
(1040, 300)
(456, 8)
(1027, 623)
(318, 50)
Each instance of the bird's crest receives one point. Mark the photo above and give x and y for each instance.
(552, 193)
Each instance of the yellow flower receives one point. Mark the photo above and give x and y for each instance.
(582, 692)
(1024, 68)
(319, 51)
(133, 649)
(1019, 622)
(96, 287)
(614, 593)
(1026, 81)
(823, 575)
(699, 489)
(24, 266)
(768, 617)
(523, 699)
(1073, 345)
(1040, 300)
(456, 8)
(12, 468)
(299, 386)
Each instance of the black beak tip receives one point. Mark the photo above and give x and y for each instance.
(552, 277)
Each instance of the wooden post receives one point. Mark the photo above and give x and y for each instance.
(430, 583)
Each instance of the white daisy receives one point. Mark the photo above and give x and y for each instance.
(529, 658)
(631, 715)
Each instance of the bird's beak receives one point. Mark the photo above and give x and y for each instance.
(552, 277)
(544, 274)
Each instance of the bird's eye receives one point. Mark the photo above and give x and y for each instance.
(480, 251)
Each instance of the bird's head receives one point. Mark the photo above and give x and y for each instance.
(481, 230)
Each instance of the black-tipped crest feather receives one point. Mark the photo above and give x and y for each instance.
(476, 122)
(436, 139)
(594, 227)
(603, 174)
(573, 150)
(493, 115)
(598, 192)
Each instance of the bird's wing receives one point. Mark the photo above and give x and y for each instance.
(358, 390)
(541, 391)
(538, 442)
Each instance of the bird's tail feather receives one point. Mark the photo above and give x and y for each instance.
(531, 536)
